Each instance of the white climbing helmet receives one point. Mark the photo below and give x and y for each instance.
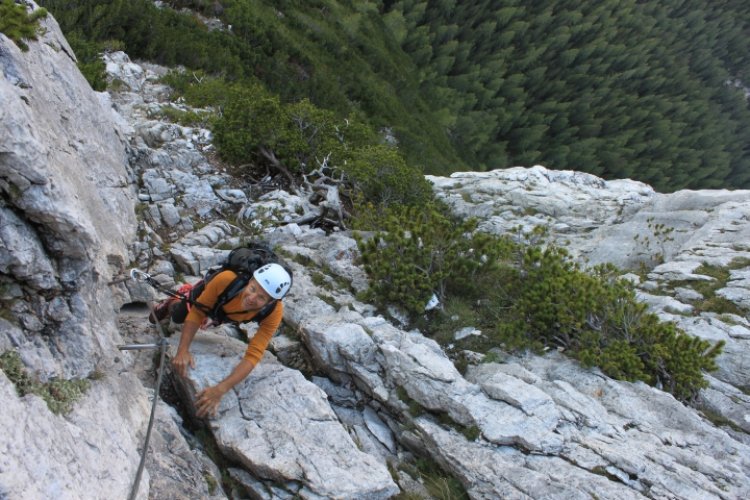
(274, 279)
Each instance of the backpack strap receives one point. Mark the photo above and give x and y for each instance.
(231, 291)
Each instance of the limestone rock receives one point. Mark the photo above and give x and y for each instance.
(282, 429)
(79, 456)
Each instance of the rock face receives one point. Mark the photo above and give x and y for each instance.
(624, 222)
(547, 427)
(680, 236)
(67, 214)
(373, 396)
(282, 429)
(66, 224)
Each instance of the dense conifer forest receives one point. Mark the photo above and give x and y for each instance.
(644, 89)
(618, 88)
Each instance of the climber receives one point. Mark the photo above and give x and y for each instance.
(264, 291)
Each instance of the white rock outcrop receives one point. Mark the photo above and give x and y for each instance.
(68, 217)
(547, 427)
(624, 222)
(282, 429)
(678, 236)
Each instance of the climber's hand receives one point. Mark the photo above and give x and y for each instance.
(207, 401)
(181, 362)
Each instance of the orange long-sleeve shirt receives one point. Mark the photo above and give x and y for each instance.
(235, 312)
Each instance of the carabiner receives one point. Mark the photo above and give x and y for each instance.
(138, 275)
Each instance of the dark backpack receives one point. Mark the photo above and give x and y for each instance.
(243, 261)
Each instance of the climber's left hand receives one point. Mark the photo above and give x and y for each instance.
(207, 401)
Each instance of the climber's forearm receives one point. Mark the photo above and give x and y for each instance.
(189, 329)
(242, 370)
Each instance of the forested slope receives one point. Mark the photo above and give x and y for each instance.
(649, 90)
(339, 55)
(618, 88)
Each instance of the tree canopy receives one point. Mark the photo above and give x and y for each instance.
(617, 88)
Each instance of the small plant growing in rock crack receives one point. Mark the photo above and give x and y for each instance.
(328, 300)
(439, 484)
(319, 280)
(471, 432)
(211, 482)
(256, 225)
(712, 302)
(655, 246)
(415, 409)
(58, 394)
(225, 245)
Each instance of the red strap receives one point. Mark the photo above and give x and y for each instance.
(185, 290)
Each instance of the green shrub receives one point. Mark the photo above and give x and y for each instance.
(712, 302)
(252, 119)
(381, 174)
(89, 55)
(456, 313)
(596, 317)
(421, 251)
(618, 358)
(527, 297)
(202, 90)
(186, 118)
(61, 394)
(19, 25)
(558, 301)
(719, 305)
(11, 364)
(256, 129)
(720, 274)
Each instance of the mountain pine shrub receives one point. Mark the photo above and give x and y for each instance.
(422, 251)
(527, 297)
(256, 127)
(18, 24)
(257, 130)
(89, 56)
(595, 316)
(381, 175)
(199, 89)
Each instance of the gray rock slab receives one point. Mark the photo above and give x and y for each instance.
(734, 360)
(492, 472)
(730, 403)
(281, 427)
(43, 455)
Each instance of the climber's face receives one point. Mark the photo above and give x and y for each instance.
(254, 297)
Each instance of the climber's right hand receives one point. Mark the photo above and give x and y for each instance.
(181, 362)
